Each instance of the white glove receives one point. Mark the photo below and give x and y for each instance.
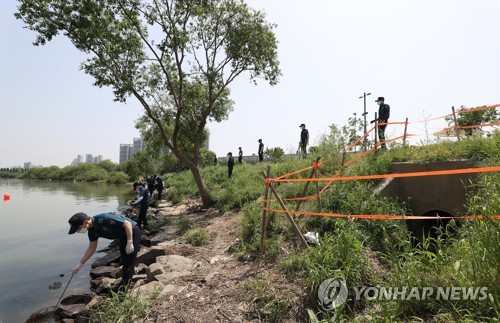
(130, 247)
(75, 269)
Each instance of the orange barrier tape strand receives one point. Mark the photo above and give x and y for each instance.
(479, 108)
(399, 175)
(436, 118)
(358, 140)
(382, 216)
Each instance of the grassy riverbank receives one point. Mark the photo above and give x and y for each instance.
(369, 253)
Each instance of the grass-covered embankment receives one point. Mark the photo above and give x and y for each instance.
(371, 253)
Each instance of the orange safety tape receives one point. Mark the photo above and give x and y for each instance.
(436, 118)
(381, 216)
(358, 140)
(479, 108)
(305, 198)
(399, 175)
(293, 173)
(467, 127)
(481, 125)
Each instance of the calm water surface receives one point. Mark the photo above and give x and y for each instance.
(35, 247)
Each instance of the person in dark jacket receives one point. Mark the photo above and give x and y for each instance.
(142, 199)
(110, 226)
(261, 150)
(151, 185)
(383, 117)
(240, 155)
(304, 140)
(230, 164)
(215, 160)
(159, 185)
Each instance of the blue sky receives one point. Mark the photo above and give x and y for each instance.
(424, 56)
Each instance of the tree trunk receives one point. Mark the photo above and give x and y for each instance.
(205, 197)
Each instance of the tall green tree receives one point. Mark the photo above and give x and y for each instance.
(176, 57)
(473, 120)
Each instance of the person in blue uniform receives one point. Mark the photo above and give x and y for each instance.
(143, 200)
(383, 117)
(110, 226)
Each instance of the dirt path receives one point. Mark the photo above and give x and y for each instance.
(223, 288)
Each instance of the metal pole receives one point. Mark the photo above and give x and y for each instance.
(376, 133)
(364, 116)
(55, 308)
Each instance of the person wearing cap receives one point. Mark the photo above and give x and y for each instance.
(159, 186)
(383, 118)
(143, 200)
(261, 150)
(240, 155)
(110, 226)
(230, 164)
(304, 140)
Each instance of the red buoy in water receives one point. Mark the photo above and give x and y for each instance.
(6, 197)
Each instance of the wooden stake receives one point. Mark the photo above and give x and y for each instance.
(289, 216)
(404, 137)
(263, 227)
(376, 133)
(306, 186)
(456, 124)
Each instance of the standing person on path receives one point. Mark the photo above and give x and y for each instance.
(383, 117)
(151, 185)
(304, 140)
(143, 200)
(230, 164)
(109, 226)
(215, 160)
(159, 185)
(240, 156)
(261, 150)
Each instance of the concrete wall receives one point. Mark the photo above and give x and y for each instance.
(430, 195)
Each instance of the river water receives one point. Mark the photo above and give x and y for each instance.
(35, 248)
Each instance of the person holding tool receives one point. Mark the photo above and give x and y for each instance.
(109, 226)
(143, 200)
(383, 117)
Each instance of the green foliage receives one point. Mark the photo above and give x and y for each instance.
(122, 307)
(117, 178)
(198, 237)
(275, 154)
(184, 225)
(467, 118)
(265, 301)
(180, 76)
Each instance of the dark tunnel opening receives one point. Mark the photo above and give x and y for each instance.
(421, 229)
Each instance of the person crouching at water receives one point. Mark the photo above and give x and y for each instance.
(109, 226)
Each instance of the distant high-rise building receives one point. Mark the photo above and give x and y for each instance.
(126, 152)
(28, 165)
(139, 145)
(89, 158)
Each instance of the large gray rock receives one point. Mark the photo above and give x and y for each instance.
(175, 263)
(105, 271)
(148, 255)
(77, 299)
(71, 311)
(153, 270)
(162, 236)
(147, 290)
(171, 276)
(106, 260)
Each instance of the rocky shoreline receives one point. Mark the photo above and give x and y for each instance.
(156, 269)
